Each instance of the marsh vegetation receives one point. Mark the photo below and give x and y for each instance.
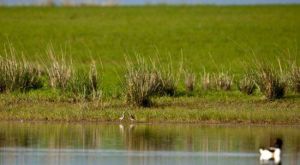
(215, 64)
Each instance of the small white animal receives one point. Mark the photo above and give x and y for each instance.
(272, 154)
(122, 117)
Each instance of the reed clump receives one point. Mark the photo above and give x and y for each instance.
(207, 82)
(59, 71)
(168, 81)
(247, 84)
(271, 82)
(84, 85)
(223, 81)
(216, 81)
(142, 82)
(295, 78)
(189, 81)
(18, 75)
(79, 84)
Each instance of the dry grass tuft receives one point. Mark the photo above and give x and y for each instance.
(189, 81)
(59, 71)
(247, 84)
(206, 81)
(144, 80)
(79, 84)
(295, 78)
(168, 81)
(217, 81)
(18, 75)
(271, 82)
(84, 85)
(223, 81)
(141, 82)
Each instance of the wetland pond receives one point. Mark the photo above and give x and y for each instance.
(141, 144)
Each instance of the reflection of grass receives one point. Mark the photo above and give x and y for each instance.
(153, 138)
(176, 137)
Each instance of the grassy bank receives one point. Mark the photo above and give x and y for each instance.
(226, 108)
(189, 64)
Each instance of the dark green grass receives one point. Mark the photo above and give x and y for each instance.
(214, 37)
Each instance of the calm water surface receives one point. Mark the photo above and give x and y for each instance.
(45, 143)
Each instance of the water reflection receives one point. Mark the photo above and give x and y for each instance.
(36, 143)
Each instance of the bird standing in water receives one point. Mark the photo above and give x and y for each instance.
(271, 154)
(122, 117)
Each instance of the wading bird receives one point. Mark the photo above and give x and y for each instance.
(271, 154)
(122, 117)
(132, 117)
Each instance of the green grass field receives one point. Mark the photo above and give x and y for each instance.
(217, 38)
(213, 37)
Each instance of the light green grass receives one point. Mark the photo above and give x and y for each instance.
(217, 38)
(213, 37)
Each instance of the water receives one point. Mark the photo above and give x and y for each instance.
(167, 144)
(143, 2)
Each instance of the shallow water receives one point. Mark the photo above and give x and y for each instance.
(168, 144)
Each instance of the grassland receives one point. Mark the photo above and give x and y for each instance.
(208, 36)
(217, 38)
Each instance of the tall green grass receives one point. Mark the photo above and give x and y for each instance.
(143, 80)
